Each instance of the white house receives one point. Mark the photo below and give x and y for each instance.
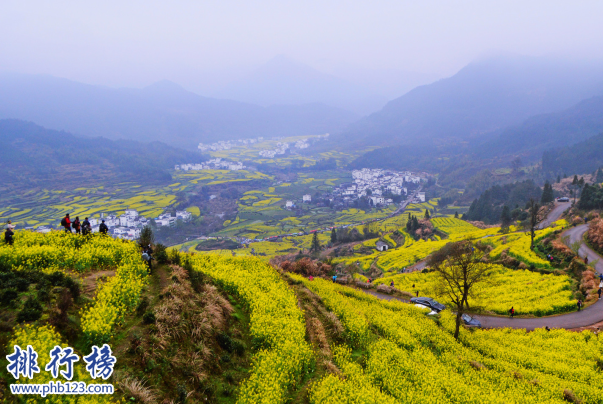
(307, 198)
(377, 200)
(381, 246)
(184, 215)
(421, 196)
(289, 204)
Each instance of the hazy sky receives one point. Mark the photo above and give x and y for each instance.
(204, 44)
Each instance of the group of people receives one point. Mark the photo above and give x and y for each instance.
(81, 227)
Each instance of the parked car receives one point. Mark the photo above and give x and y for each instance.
(563, 199)
(471, 321)
(428, 302)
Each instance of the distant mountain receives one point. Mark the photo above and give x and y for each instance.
(283, 81)
(32, 154)
(547, 131)
(478, 102)
(161, 112)
(581, 158)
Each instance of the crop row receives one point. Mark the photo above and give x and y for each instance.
(411, 358)
(277, 325)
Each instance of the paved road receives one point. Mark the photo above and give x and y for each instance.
(591, 315)
(555, 214)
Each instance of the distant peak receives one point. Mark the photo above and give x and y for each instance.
(165, 85)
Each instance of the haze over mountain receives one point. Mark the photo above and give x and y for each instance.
(161, 112)
(481, 99)
(557, 129)
(283, 81)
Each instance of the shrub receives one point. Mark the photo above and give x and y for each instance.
(32, 310)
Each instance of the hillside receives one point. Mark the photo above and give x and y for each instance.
(580, 158)
(547, 131)
(163, 111)
(283, 81)
(481, 99)
(34, 155)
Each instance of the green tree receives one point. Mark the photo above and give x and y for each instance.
(505, 217)
(333, 236)
(547, 194)
(456, 215)
(558, 179)
(427, 214)
(146, 237)
(315, 247)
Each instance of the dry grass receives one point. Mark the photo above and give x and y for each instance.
(135, 388)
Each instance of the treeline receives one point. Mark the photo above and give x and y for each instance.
(351, 234)
(488, 207)
(591, 197)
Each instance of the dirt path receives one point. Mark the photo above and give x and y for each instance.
(90, 282)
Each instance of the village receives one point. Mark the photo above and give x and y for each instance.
(128, 225)
(213, 164)
(380, 187)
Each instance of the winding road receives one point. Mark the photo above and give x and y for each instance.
(588, 316)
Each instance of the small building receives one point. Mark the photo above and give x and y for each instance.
(289, 204)
(307, 198)
(421, 196)
(381, 246)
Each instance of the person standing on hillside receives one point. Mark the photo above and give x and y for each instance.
(579, 304)
(77, 226)
(103, 229)
(8, 235)
(86, 228)
(66, 223)
(512, 312)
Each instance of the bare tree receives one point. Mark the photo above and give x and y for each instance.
(534, 206)
(459, 267)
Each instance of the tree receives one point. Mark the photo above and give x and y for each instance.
(333, 236)
(315, 243)
(533, 209)
(547, 194)
(427, 214)
(146, 237)
(456, 215)
(505, 217)
(559, 179)
(516, 164)
(459, 268)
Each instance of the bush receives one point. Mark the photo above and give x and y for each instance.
(148, 318)
(7, 296)
(32, 310)
(161, 254)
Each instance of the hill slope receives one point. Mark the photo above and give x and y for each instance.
(553, 130)
(478, 101)
(32, 154)
(580, 158)
(163, 111)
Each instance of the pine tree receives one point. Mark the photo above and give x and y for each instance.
(315, 243)
(146, 237)
(456, 215)
(505, 217)
(575, 180)
(333, 236)
(559, 179)
(547, 194)
(427, 214)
